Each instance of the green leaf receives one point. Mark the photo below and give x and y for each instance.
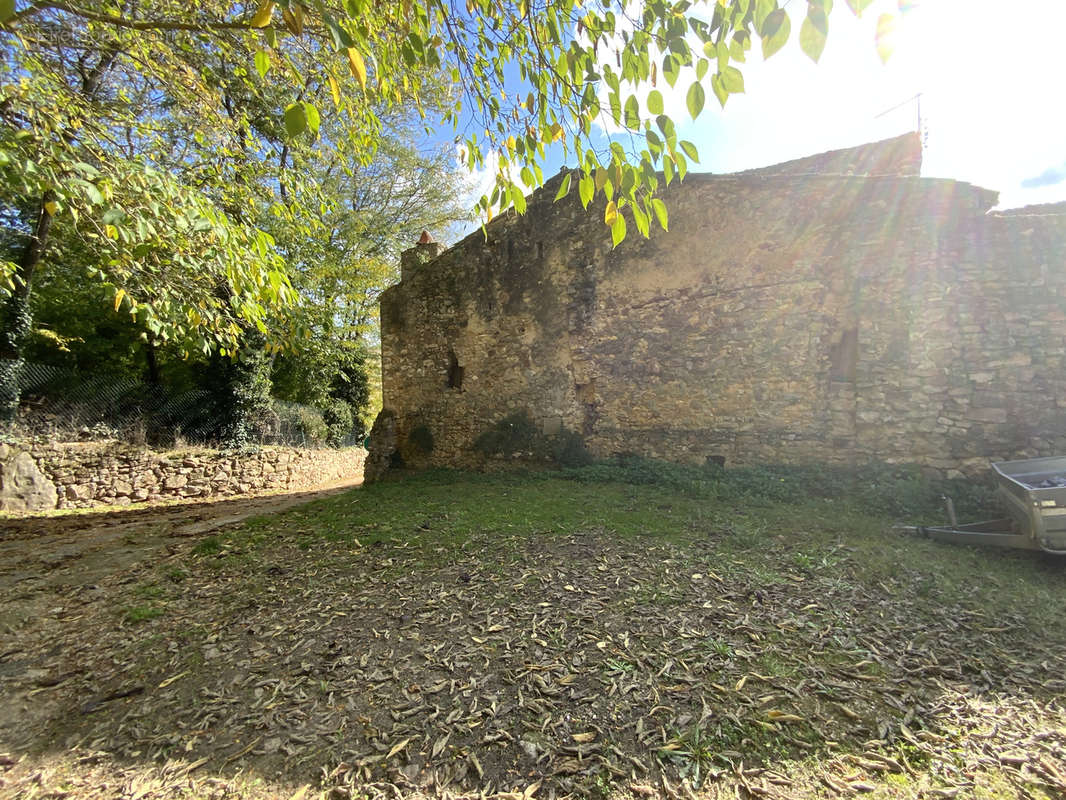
(671, 68)
(732, 80)
(518, 198)
(659, 207)
(632, 112)
(813, 33)
(312, 117)
(586, 188)
(719, 89)
(763, 9)
(655, 144)
(295, 119)
(642, 220)
(858, 6)
(7, 10)
(775, 32)
(666, 125)
(262, 62)
(655, 102)
(739, 45)
(690, 150)
(416, 43)
(695, 99)
(113, 216)
(86, 170)
(341, 39)
(564, 187)
(92, 194)
(618, 230)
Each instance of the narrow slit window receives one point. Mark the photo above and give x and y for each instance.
(844, 356)
(455, 371)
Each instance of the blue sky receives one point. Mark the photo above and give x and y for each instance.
(990, 74)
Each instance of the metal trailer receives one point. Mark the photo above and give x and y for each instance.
(1034, 492)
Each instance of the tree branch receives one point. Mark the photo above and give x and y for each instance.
(124, 22)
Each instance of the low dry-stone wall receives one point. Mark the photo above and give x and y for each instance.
(82, 475)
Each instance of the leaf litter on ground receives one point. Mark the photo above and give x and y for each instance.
(517, 637)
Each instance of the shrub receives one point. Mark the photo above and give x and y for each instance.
(568, 449)
(339, 421)
(352, 385)
(516, 433)
(304, 420)
(627, 468)
(893, 490)
(421, 439)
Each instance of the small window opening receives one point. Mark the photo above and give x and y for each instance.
(844, 357)
(455, 372)
(540, 250)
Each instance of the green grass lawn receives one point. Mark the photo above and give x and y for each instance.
(625, 630)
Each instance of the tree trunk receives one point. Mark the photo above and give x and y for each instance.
(153, 363)
(17, 321)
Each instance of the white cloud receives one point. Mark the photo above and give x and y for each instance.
(481, 180)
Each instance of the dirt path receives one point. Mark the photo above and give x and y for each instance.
(43, 555)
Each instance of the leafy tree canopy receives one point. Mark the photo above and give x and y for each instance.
(162, 152)
(525, 76)
(133, 144)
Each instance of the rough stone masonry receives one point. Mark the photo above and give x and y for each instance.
(52, 475)
(836, 309)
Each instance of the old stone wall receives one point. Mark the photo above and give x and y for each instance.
(786, 317)
(109, 473)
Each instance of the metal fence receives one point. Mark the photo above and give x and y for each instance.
(61, 403)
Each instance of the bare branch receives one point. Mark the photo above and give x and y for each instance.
(125, 22)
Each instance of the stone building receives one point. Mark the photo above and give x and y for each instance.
(835, 309)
